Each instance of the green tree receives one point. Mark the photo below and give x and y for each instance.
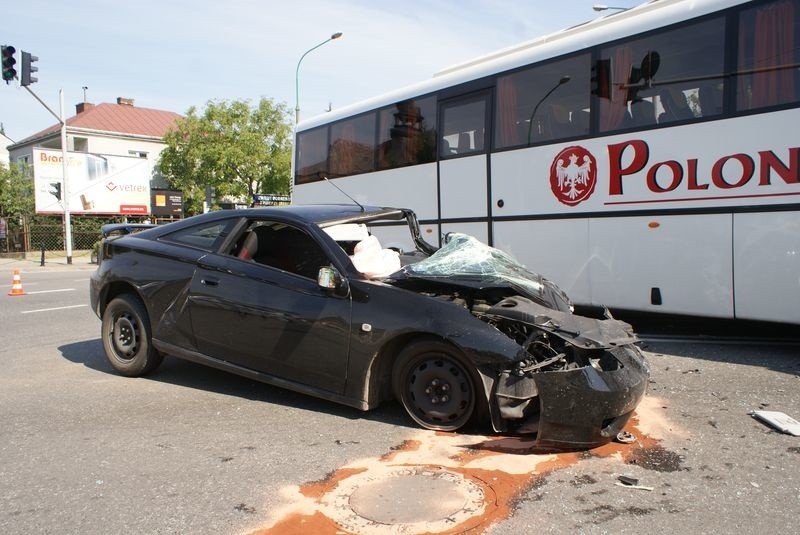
(236, 148)
(16, 191)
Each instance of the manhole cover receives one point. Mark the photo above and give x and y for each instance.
(408, 499)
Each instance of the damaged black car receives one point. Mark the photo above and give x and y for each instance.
(308, 298)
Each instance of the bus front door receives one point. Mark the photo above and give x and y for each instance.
(463, 164)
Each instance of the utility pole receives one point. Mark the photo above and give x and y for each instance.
(65, 187)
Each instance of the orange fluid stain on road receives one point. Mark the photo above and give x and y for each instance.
(504, 468)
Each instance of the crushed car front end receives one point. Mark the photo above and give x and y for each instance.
(579, 382)
(573, 376)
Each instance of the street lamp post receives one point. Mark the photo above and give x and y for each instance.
(564, 79)
(297, 76)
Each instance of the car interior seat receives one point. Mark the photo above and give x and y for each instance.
(248, 247)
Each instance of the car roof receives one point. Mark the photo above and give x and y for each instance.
(320, 214)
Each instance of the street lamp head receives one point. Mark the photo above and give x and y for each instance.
(603, 7)
(564, 79)
(336, 35)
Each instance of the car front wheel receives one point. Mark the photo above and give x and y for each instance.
(126, 337)
(433, 385)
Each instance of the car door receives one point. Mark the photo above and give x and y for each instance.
(267, 312)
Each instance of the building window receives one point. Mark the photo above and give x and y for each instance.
(80, 144)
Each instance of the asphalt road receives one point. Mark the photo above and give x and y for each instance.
(192, 450)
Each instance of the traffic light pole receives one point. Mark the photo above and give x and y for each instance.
(65, 189)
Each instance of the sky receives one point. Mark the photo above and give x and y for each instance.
(175, 54)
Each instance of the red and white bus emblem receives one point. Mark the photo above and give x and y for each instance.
(573, 175)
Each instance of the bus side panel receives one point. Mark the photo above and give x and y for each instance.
(413, 187)
(521, 183)
(463, 183)
(683, 261)
(556, 249)
(766, 251)
(477, 230)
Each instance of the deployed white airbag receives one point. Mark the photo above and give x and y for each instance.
(372, 260)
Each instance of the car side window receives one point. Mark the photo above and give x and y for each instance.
(206, 237)
(280, 246)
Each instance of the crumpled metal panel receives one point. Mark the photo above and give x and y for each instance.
(579, 330)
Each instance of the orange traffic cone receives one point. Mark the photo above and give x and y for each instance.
(16, 285)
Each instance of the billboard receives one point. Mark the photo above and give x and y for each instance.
(167, 203)
(98, 183)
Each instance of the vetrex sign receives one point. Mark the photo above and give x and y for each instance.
(98, 184)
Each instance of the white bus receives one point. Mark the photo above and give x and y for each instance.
(648, 160)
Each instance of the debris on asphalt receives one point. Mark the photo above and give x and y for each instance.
(779, 420)
(625, 437)
(631, 483)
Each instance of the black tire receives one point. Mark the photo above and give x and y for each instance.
(126, 337)
(434, 386)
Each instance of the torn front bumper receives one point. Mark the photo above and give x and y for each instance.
(575, 406)
(589, 407)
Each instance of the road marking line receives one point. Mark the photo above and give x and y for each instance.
(52, 291)
(51, 309)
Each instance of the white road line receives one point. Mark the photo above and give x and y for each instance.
(51, 309)
(51, 291)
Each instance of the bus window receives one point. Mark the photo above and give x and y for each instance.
(407, 133)
(769, 53)
(671, 76)
(352, 148)
(312, 155)
(543, 103)
(463, 127)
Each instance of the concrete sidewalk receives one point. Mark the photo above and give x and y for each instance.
(80, 261)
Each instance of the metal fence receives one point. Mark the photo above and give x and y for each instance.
(34, 238)
(51, 238)
(23, 238)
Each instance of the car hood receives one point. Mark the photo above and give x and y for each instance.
(466, 261)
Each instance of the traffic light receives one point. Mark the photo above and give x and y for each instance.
(27, 68)
(9, 72)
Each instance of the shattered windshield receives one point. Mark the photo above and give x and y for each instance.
(466, 257)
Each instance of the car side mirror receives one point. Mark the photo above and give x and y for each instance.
(329, 278)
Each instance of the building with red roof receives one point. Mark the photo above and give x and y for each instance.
(120, 129)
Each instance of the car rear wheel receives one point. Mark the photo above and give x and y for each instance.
(434, 386)
(126, 337)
